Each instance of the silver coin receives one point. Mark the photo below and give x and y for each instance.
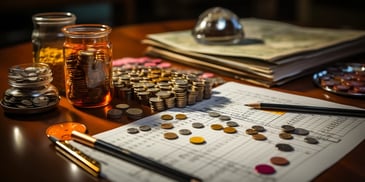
(214, 114)
(145, 128)
(258, 128)
(232, 124)
(301, 131)
(224, 118)
(114, 114)
(132, 130)
(288, 128)
(311, 140)
(185, 132)
(198, 125)
(122, 106)
(284, 147)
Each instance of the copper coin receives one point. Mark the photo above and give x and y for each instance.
(216, 126)
(281, 161)
(265, 169)
(167, 117)
(167, 126)
(251, 131)
(229, 130)
(286, 136)
(170, 135)
(259, 137)
(180, 116)
(62, 131)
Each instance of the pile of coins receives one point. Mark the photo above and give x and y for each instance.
(160, 88)
(87, 79)
(30, 87)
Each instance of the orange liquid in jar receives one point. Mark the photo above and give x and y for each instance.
(88, 73)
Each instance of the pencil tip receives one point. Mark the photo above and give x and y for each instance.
(254, 105)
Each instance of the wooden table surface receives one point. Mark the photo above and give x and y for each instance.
(28, 155)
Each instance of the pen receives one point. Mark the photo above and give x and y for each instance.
(90, 165)
(308, 109)
(132, 157)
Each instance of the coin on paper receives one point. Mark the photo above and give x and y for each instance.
(167, 117)
(180, 116)
(197, 140)
(216, 126)
(229, 130)
(167, 126)
(170, 135)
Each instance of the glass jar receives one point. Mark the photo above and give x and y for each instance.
(48, 39)
(88, 67)
(30, 89)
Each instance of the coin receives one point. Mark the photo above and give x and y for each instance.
(62, 131)
(167, 126)
(232, 124)
(167, 117)
(170, 135)
(214, 114)
(311, 140)
(251, 131)
(145, 128)
(224, 118)
(265, 169)
(197, 140)
(259, 136)
(281, 161)
(114, 114)
(197, 125)
(184, 132)
(288, 128)
(180, 116)
(286, 136)
(301, 131)
(216, 126)
(284, 147)
(132, 130)
(229, 130)
(122, 106)
(258, 128)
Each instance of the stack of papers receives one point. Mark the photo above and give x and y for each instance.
(272, 52)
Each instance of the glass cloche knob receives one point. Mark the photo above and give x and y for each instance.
(218, 26)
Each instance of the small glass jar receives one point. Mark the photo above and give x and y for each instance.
(30, 89)
(48, 39)
(88, 67)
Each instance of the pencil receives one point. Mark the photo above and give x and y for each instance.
(308, 109)
(132, 157)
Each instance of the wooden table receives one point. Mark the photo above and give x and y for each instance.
(27, 154)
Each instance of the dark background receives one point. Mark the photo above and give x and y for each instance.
(16, 26)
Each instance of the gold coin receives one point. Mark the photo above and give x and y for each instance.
(259, 137)
(286, 136)
(216, 126)
(180, 116)
(62, 131)
(167, 125)
(251, 131)
(229, 130)
(197, 140)
(166, 117)
(170, 135)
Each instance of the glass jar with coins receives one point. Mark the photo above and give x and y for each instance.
(30, 89)
(88, 67)
(47, 40)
